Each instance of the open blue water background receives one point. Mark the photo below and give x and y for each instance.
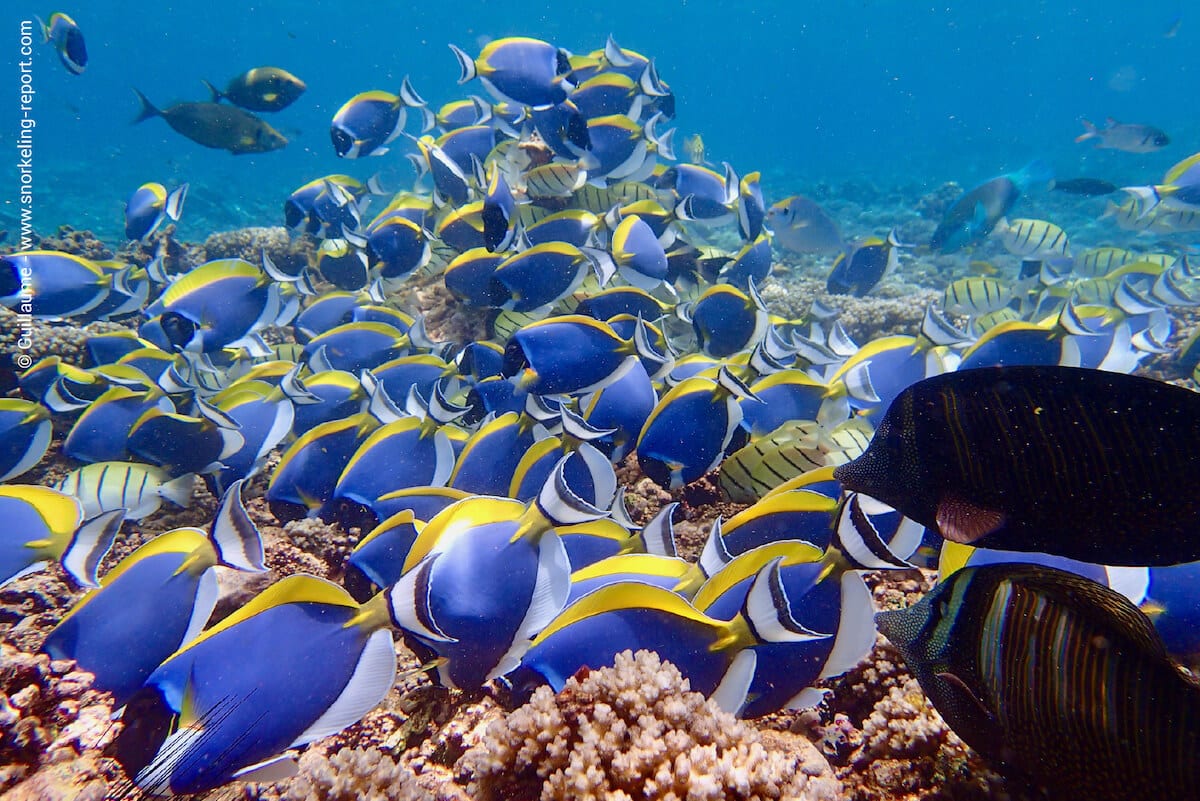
(889, 92)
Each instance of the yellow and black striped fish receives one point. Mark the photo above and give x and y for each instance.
(599, 201)
(553, 180)
(1095, 262)
(1056, 678)
(975, 296)
(790, 450)
(1032, 239)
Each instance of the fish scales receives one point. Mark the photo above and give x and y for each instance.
(1083, 463)
(1058, 680)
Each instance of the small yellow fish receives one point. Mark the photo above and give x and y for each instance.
(983, 268)
(694, 147)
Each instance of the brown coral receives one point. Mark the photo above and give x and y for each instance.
(289, 255)
(50, 717)
(635, 731)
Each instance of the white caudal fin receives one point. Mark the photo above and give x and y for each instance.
(234, 535)
(89, 544)
(730, 694)
(768, 611)
(857, 539)
(372, 679)
(658, 536)
(856, 627)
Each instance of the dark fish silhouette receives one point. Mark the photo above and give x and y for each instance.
(1092, 187)
(1091, 465)
(1060, 680)
(216, 125)
(261, 89)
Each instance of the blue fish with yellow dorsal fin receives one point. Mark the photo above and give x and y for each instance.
(334, 395)
(499, 212)
(460, 227)
(57, 284)
(219, 304)
(751, 208)
(330, 310)
(690, 429)
(638, 253)
(605, 93)
(885, 367)
(355, 346)
(25, 430)
(377, 561)
(470, 277)
(101, 433)
(527, 71)
(716, 656)
(827, 593)
(265, 415)
(183, 443)
(309, 469)
(590, 542)
(64, 33)
(150, 206)
(484, 576)
(397, 246)
(299, 662)
(155, 600)
(423, 502)
(831, 601)
(567, 354)
(405, 453)
(43, 525)
(786, 395)
(369, 121)
(490, 458)
(622, 406)
(575, 226)
(1017, 342)
(752, 263)
(542, 275)
(795, 515)
(727, 320)
(669, 572)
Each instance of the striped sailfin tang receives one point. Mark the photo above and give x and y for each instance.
(1071, 672)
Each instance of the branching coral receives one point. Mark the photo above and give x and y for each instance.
(635, 731)
(351, 774)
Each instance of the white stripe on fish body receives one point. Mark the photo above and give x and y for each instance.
(1032, 238)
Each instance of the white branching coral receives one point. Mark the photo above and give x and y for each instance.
(635, 731)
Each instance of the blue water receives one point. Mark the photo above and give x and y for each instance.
(889, 92)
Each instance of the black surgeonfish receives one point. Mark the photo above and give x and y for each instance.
(972, 217)
(1091, 465)
(216, 125)
(1058, 679)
